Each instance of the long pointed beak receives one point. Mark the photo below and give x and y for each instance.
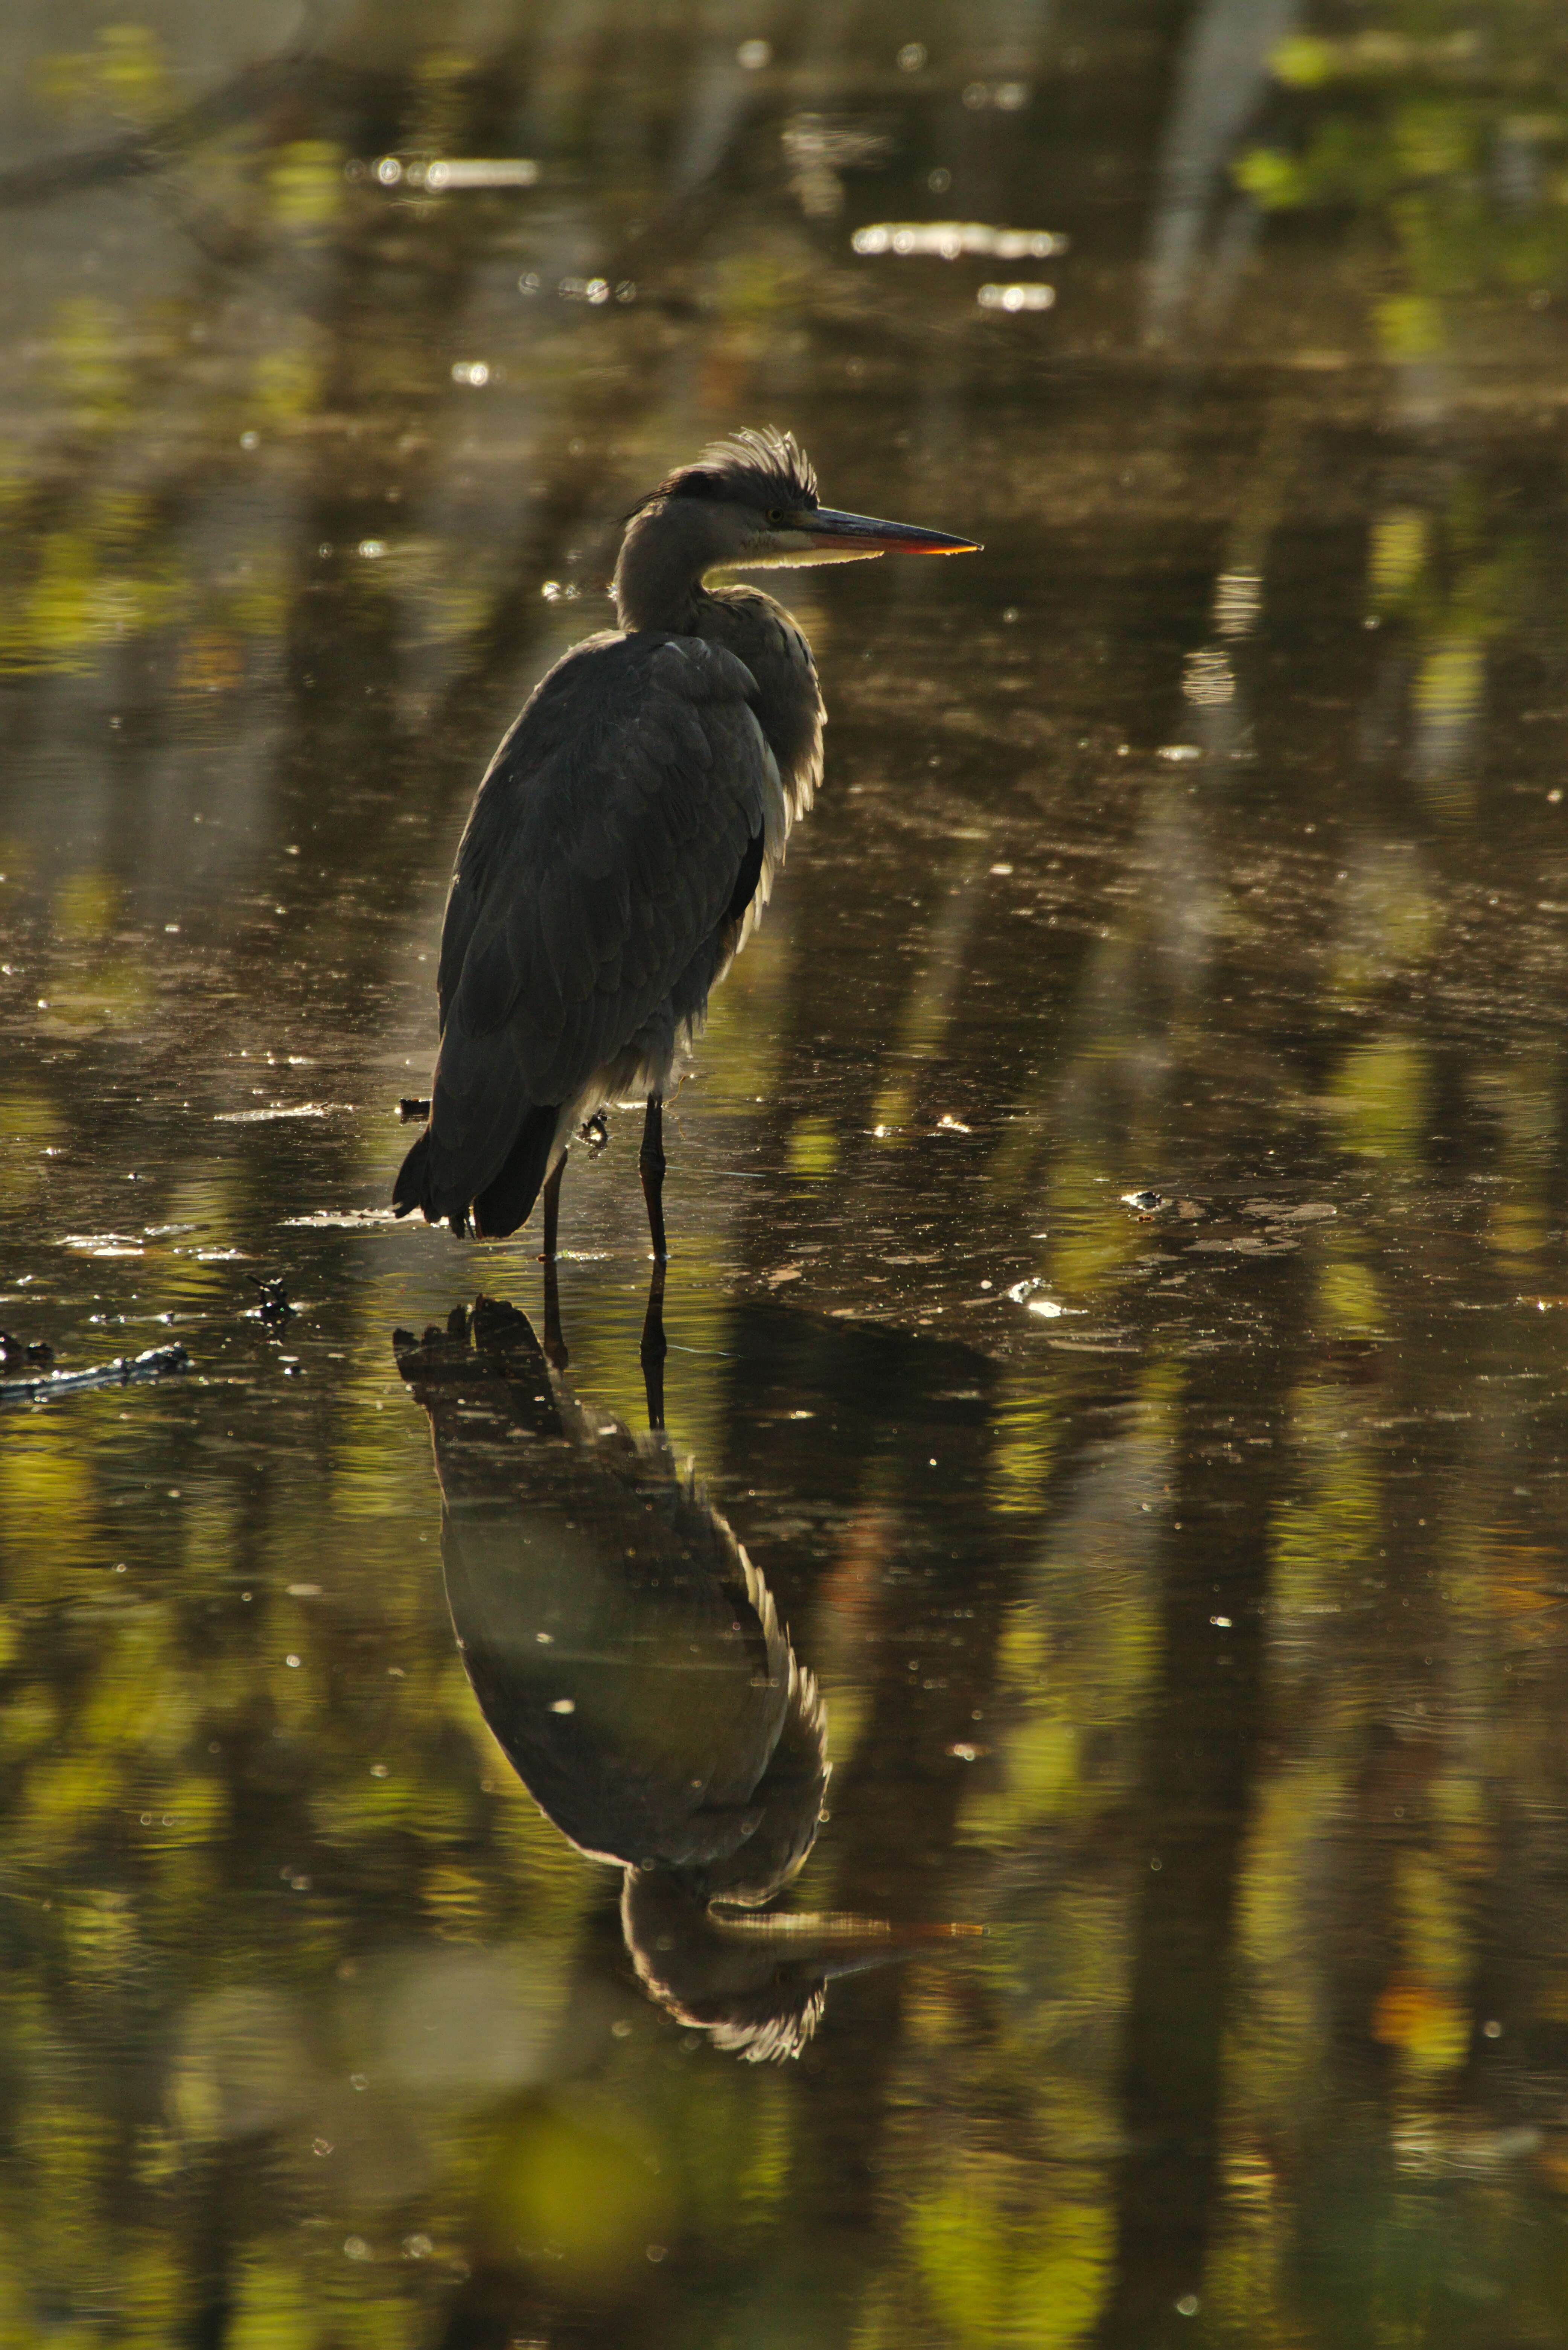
(839, 532)
(893, 1949)
(844, 1945)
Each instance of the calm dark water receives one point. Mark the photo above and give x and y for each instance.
(1119, 1288)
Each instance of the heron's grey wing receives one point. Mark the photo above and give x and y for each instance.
(601, 860)
(540, 733)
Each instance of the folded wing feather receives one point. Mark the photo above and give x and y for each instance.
(601, 858)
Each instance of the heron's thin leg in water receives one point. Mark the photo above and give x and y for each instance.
(654, 1346)
(555, 1345)
(650, 1167)
(553, 1209)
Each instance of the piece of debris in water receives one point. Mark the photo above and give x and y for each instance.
(1146, 1203)
(125, 1370)
(21, 1354)
(274, 1308)
(412, 1109)
(1029, 1293)
(595, 1132)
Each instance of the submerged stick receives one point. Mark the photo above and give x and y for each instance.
(120, 1373)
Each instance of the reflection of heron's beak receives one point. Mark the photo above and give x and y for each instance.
(848, 534)
(834, 1943)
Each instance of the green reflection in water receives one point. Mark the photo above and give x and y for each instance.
(1145, 866)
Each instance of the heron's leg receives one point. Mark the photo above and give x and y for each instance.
(555, 1345)
(654, 1346)
(553, 1209)
(651, 1166)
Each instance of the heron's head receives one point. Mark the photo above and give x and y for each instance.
(757, 1985)
(748, 502)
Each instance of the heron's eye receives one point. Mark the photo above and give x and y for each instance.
(776, 515)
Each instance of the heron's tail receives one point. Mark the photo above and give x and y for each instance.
(507, 1199)
(418, 1186)
(411, 1189)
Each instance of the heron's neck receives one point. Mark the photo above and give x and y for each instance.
(658, 581)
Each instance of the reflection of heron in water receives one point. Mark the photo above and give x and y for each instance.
(624, 838)
(631, 1661)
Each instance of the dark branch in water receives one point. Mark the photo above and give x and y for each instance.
(126, 1369)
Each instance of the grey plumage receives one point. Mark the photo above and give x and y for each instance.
(627, 833)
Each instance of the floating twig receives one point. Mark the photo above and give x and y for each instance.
(126, 1370)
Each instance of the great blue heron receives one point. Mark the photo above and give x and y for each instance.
(632, 1663)
(624, 838)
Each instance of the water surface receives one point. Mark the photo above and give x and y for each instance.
(1119, 1207)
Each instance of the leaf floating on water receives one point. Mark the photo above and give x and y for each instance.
(1028, 1293)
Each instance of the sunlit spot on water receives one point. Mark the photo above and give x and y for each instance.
(472, 171)
(1005, 97)
(952, 240)
(1207, 680)
(1016, 297)
(278, 1110)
